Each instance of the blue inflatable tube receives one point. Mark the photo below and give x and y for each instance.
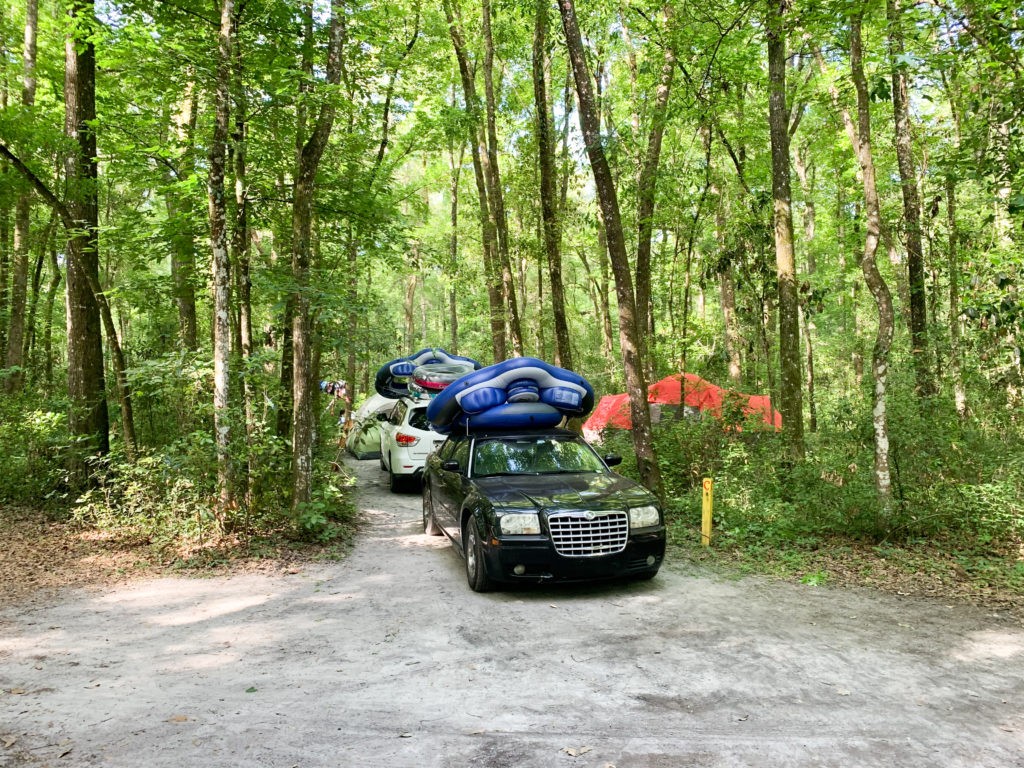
(522, 393)
(392, 379)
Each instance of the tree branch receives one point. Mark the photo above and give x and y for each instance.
(40, 187)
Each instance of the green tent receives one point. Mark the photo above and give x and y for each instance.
(364, 438)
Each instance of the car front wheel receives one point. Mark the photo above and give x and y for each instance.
(430, 526)
(476, 569)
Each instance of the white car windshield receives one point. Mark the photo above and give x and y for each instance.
(542, 455)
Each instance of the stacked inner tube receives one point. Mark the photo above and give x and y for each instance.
(431, 378)
(335, 388)
(423, 373)
(522, 393)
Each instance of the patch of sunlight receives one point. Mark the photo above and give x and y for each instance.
(991, 644)
(205, 611)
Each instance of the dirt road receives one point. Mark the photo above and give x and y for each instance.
(388, 660)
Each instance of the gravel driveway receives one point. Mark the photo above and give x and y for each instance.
(388, 660)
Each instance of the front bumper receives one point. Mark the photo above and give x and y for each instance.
(533, 558)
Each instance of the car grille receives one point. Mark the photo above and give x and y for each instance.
(588, 534)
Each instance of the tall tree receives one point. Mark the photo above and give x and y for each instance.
(953, 258)
(89, 419)
(548, 200)
(489, 236)
(791, 400)
(629, 331)
(911, 199)
(219, 262)
(22, 218)
(647, 179)
(241, 240)
(308, 162)
(495, 195)
(180, 210)
(860, 137)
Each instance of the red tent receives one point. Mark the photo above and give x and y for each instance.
(687, 389)
(696, 392)
(611, 411)
(762, 404)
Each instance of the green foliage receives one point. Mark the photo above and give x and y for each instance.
(954, 481)
(166, 497)
(36, 444)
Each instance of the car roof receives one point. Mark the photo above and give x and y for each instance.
(558, 432)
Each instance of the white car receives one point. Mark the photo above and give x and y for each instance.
(406, 440)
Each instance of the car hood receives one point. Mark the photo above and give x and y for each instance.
(564, 491)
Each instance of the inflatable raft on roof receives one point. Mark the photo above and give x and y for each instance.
(425, 372)
(522, 393)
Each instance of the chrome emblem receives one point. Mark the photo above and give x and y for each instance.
(589, 515)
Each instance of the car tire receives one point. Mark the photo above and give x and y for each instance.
(394, 482)
(430, 526)
(476, 568)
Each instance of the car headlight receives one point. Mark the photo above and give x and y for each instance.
(519, 524)
(644, 517)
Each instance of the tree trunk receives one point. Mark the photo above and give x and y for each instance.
(860, 137)
(791, 386)
(599, 294)
(30, 347)
(409, 305)
(727, 284)
(955, 352)
(805, 172)
(812, 408)
(647, 183)
(489, 238)
(120, 370)
(629, 331)
(241, 248)
(351, 296)
(548, 202)
(911, 202)
(89, 420)
(220, 267)
(15, 359)
(303, 391)
(5, 262)
(284, 408)
(453, 245)
(495, 195)
(180, 215)
(51, 294)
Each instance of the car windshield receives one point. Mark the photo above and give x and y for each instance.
(542, 455)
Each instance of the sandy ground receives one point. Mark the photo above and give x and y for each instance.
(388, 659)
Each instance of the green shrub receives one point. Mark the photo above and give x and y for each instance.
(948, 477)
(36, 444)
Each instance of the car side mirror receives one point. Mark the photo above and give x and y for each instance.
(450, 466)
(382, 416)
(613, 459)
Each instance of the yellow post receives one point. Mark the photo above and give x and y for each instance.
(705, 524)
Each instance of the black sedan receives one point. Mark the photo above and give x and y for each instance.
(539, 506)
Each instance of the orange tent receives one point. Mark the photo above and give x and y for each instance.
(687, 389)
